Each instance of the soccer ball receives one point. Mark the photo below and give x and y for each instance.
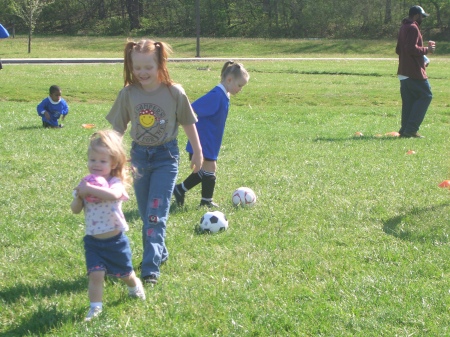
(213, 222)
(243, 196)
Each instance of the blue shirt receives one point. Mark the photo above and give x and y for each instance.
(212, 112)
(55, 109)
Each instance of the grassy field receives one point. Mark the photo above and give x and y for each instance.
(349, 236)
(111, 47)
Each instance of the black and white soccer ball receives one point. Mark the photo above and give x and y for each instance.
(213, 222)
(243, 196)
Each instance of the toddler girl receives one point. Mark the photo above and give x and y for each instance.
(107, 248)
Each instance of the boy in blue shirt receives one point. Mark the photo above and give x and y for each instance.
(52, 108)
(212, 112)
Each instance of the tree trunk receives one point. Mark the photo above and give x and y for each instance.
(388, 12)
(29, 40)
(133, 13)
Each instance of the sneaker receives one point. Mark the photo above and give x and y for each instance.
(150, 279)
(93, 312)
(209, 204)
(411, 135)
(139, 292)
(178, 193)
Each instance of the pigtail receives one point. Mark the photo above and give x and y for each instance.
(128, 64)
(235, 69)
(224, 68)
(163, 50)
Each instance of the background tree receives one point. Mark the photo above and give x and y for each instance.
(28, 11)
(364, 19)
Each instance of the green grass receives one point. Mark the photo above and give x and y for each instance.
(112, 47)
(349, 236)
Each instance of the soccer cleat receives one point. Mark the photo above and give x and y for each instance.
(150, 279)
(209, 204)
(178, 193)
(93, 312)
(139, 292)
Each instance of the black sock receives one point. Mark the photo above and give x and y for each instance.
(208, 184)
(193, 180)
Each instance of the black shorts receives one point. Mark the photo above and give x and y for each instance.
(204, 159)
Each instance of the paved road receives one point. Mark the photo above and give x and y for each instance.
(194, 59)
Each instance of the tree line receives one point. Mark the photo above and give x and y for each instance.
(343, 19)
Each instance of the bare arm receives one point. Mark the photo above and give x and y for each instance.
(103, 193)
(197, 156)
(77, 205)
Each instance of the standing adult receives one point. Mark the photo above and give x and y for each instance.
(414, 87)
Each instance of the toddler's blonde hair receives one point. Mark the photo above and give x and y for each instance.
(112, 142)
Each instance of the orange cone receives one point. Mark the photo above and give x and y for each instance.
(445, 184)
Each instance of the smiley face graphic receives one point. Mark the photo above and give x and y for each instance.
(147, 118)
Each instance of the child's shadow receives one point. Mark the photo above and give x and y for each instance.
(30, 127)
(411, 226)
(46, 316)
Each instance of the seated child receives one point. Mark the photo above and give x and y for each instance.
(53, 107)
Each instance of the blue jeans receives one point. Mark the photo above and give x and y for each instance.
(156, 169)
(416, 97)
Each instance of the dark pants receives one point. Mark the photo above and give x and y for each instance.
(416, 97)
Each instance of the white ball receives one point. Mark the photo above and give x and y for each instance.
(213, 222)
(243, 196)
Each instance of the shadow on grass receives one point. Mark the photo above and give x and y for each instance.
(422, 225)
(38, 323)
(46, 316)
(355, 138)
(30, 127)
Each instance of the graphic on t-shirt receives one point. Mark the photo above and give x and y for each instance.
(147, 118)
(152, 124)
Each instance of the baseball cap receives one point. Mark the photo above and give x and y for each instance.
(417, 10)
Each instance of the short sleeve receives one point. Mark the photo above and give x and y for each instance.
(119, 116)
(185, 113)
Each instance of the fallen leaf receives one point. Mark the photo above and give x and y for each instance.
(88, 126)
(411, 152)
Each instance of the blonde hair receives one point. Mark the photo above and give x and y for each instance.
(234, 69)
(161, 52)
(112, 142)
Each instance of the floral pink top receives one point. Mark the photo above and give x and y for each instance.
(106, 216)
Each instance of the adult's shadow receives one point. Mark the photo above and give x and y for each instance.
(46, 316)
(428, 224)
(355, 138)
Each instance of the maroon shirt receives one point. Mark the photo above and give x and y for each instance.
(410, 51)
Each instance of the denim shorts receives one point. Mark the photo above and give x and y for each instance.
(112, 255)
